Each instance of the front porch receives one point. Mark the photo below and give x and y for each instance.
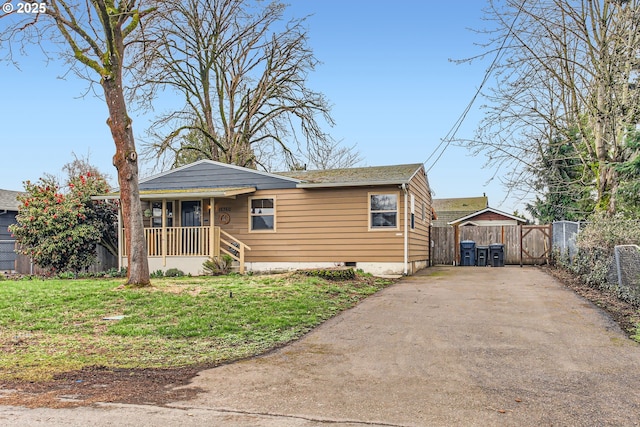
(181, 230)
(179, 247)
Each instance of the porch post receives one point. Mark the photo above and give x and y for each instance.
(212, 216)
(163, 239)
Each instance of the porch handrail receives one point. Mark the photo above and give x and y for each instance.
(229, 241)
(193, 241)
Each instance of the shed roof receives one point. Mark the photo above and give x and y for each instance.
(9, 200)
(470, 204)
(448, 210)
(495, 211)
(371, 175)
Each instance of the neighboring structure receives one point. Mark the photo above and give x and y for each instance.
(486, 217)
(447, 210)
(373, 218)
(8, 211)
(471, 218)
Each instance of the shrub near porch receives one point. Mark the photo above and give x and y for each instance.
(53, 326)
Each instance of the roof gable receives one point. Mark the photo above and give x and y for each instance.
(482, 212)
(208, 174)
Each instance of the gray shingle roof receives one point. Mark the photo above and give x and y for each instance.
(397, 174)
(9, 200)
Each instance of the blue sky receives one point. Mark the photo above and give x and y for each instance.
(385, 69)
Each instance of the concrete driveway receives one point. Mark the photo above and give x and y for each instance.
(450, 346)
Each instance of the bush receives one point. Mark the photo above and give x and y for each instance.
(114, 272)
(59, 227)
(596, 243)
(218, 265)
(331, 273)
(174, 272)
(157, 274)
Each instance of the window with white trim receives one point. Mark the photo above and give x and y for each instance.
(262, 214)
(383, 211)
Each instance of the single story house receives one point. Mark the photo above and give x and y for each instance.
(8, 210)
(370, 218)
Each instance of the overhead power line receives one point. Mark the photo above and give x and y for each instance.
(450, 136)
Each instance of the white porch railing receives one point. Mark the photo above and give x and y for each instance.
(193, 241)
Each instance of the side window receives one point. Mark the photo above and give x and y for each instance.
(156, 214)
(262, 214)
(383, 211)
(413, 211)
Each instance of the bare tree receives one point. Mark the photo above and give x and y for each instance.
(332, 155)
(94, 35)
(243, 72)
(564, 74)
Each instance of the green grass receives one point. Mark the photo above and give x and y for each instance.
(52, 326)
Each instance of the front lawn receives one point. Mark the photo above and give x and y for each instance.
(52, 326)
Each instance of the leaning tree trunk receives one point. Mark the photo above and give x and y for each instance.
(126, 162)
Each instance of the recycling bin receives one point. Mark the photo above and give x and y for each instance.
(467, 253)
(496, 255)
(482, 256)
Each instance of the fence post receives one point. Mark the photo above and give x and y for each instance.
(521, 238)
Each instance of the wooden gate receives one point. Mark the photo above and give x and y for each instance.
(535, 244)
(526, 244)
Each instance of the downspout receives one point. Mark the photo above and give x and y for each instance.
(406, 230)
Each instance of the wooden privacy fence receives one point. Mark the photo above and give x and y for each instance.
(523, 244)
(104, 262)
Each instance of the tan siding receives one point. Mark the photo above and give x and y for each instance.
(319, 225)
(419, 244)
(329, 225)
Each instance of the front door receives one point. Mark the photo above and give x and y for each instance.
(191, 216)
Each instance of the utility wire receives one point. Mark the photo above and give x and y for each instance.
(456, 126)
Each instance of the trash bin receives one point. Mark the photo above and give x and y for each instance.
(467, 253)
(482, 256)
(496, 255)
